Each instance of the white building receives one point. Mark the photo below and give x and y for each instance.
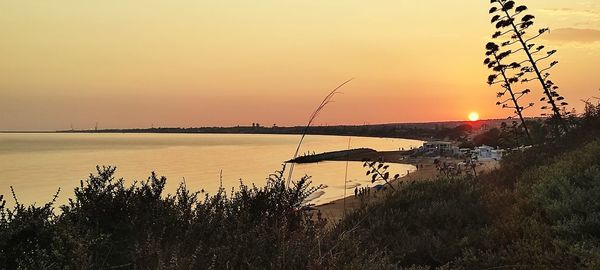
(440, 147)
(487, 153)
(437, 145)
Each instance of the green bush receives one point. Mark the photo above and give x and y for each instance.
(425, 223)
(109, 224)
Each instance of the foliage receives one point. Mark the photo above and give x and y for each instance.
(539, 211)
(424, 223)
(378, 171)
(490, 138)
(494, 62)
(506, 137)
(109, 224)
(458, 133)
(512, 21)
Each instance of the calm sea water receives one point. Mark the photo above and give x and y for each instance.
(36, 165)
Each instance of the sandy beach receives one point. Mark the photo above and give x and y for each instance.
(334, 211)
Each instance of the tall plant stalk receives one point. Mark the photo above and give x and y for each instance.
(346, 175)
(312, 118)
(494, 62)
(506, 12)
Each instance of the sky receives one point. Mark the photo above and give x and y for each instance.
(138, 63)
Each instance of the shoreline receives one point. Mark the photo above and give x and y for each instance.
(334, 210)
(415, 138)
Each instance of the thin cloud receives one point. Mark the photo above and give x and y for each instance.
(580, 18)
(574, 35)
(571, 12)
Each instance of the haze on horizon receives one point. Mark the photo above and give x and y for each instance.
(136, 63)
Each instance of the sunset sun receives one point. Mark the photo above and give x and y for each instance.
(473, 116)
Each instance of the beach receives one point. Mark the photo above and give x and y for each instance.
(334, 210)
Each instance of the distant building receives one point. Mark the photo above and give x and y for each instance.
(487, 153)
(465, 151)
(440, 148)
(437, 145)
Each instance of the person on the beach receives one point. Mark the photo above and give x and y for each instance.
(356, 192)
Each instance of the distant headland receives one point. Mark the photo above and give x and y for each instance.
(419, 131)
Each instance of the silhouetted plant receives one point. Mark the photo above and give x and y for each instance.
(109, 224)
(28, 237)
(452, 169)
(328, 99)
(494, 62)
(512, 21)
(379, 172)
(509, 134)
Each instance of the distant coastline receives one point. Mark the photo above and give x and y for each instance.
(29, 131)
(417, 131)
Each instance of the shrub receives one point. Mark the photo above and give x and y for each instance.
(109, 224)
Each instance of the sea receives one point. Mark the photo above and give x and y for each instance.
(36, 165)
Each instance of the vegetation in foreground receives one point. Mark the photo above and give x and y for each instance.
(539, 211)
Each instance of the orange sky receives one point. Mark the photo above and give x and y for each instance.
(134, 63)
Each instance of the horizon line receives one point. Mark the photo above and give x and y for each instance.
(237, 126)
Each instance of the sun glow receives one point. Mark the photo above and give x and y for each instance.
(473, 116)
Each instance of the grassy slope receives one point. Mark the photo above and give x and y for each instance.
(542, 214)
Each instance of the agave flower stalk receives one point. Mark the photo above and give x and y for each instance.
(494, 62)
(506, 13)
